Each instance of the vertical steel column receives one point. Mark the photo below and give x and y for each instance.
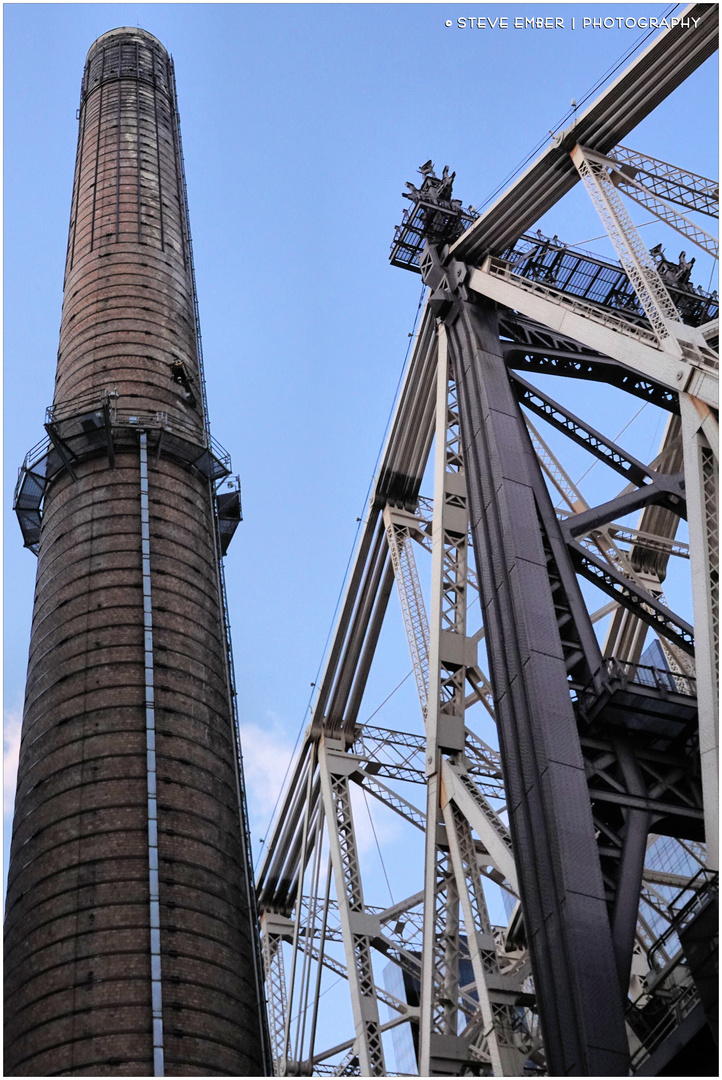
(439, 968)
(452, 879)
(506, 1059)
(547, 797)
(285, 1063)
(154, 895)
(273, 929)
(335, 766)
(457, 785)
(449, 652)
(701, 470)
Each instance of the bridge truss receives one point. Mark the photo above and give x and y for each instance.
(591, 816)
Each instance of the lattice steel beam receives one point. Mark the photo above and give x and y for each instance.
(398, 534)
(581, 433)
(670, 182)
(629, 594)
(625, 178)
(651, 76)
(502, 1047)
(657, 304)
(334, 768)
(273, 931)
(603, 369)
(444, 718)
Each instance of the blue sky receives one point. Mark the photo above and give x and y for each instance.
(301, 124)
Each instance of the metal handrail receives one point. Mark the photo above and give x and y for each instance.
(679, 1006)
(219, 451)
(499, 268)
(118, 418)
(34, 455)
(628, 672)
(133, 418)
(63, 410)
(661, 678)
(680, 919)
(126, 417)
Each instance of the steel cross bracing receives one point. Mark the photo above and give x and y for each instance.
(397, 755)
(393, 756)
(645, 191)
(700, 434)
(655, 73)
(565, 817)
(668, 182)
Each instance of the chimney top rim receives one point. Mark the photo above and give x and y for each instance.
(133, 31)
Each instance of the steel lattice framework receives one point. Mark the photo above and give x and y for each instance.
(603, 757)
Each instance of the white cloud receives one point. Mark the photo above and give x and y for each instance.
(266, 753)
(11, 751)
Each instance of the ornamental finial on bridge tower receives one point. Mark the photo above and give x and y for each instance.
(433, 216)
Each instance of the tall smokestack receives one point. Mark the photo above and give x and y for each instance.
(130, 937)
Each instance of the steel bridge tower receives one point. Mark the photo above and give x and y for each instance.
(597, 814)
(130, 933)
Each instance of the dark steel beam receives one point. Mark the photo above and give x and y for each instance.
(599, 369)
(637, 600)
(562, 890)
(643, 802)
(581, 433)
(631, 866)
(523, 333)
(534, 347)
(572, 615)
(64, 451)
(654, 494)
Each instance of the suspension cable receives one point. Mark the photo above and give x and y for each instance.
(340, 596)
(572, 111)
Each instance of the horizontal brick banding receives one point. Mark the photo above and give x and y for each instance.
(77, 951)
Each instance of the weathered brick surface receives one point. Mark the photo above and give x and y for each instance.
(122, 1053)
(77, 960)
